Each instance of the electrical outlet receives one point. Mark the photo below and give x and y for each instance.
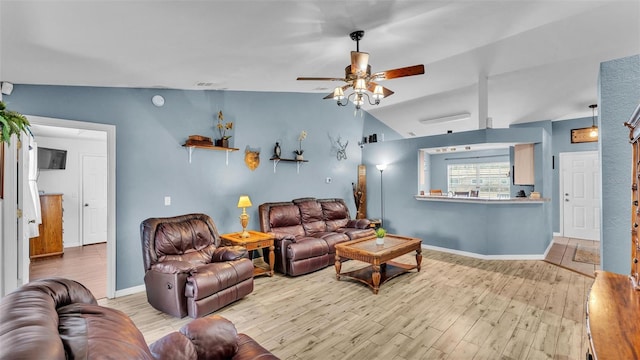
(167, 200)
(327, 180)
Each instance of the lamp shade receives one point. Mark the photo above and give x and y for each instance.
(244, 201)
(378, 94)
(381, 167)
(360, 86)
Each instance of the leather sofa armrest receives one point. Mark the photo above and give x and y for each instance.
(359, 223)
(173, 267)
(279, 236)
(211, 337)
(229, 253)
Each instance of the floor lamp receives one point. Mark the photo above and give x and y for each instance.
(381, 167)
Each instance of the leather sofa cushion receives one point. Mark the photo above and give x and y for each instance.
(335, 225)
(283, 216)
(89, 331)
(314, 228)
(288, 232)
(178, 238)
(211, 278)
(334, 210)
(357, 233)
(333, 238)
(311, 211)
(307, 247)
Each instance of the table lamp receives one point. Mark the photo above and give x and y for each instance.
(244, 202)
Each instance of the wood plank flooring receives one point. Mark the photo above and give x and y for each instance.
(455, 308)
(85, 264)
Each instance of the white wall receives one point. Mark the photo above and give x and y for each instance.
(68, 181)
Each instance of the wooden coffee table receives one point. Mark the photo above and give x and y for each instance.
(379, 256)
(256, 240)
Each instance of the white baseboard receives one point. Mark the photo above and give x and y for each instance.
(487, 257)
(557, 234)
(130, 291)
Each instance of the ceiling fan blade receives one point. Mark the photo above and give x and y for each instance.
(359, 63)
(397, 73)
(372, 86)
(321, 79)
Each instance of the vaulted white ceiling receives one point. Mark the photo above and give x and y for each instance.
(541, 58)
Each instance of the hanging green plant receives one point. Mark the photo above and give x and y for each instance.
(11, 122)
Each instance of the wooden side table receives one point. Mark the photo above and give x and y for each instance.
(256, 240)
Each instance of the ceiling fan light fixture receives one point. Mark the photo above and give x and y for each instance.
(360, 86)
(359, 77)
(358, 100)
(378, 94)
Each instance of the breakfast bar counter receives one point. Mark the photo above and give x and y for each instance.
(475, 200)
(496, 228)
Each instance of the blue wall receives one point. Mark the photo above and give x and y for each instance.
(494, 230)
(619, 95)
(151, 163)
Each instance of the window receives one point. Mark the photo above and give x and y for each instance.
(490, 179)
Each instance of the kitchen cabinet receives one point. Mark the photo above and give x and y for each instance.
(523, 165)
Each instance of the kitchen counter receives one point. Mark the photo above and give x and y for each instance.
(474, 200)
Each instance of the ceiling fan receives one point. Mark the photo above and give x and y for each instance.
(359, 77)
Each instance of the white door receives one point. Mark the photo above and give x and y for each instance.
(94, 199)
(580, 194)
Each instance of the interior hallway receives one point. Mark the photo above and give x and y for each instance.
(85, 264)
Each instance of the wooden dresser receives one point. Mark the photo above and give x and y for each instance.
(49, 242)
(613, 305)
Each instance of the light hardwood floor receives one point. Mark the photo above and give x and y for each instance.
(85, 264)
(455, 308)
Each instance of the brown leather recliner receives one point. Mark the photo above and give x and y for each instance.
(59, 318)
(187, 270)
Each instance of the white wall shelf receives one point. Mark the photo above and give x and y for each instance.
(190, 148)
(278, 160)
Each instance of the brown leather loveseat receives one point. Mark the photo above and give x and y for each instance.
(306, 231)
(60, 319)
(187, 271)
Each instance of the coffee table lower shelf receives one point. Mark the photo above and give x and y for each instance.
(388, 271)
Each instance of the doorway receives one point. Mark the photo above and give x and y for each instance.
(94, 200)
(580, 195)
(106, 185)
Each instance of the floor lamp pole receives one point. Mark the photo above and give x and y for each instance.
(381, 168)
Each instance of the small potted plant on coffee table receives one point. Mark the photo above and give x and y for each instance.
(380, 234)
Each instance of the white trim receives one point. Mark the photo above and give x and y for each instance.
(557, 233)
(130, 291)
(111, 183)
(489, 257)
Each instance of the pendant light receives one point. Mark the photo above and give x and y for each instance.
(594, 127)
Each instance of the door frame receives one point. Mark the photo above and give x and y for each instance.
(562, 164)
(111, 187)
